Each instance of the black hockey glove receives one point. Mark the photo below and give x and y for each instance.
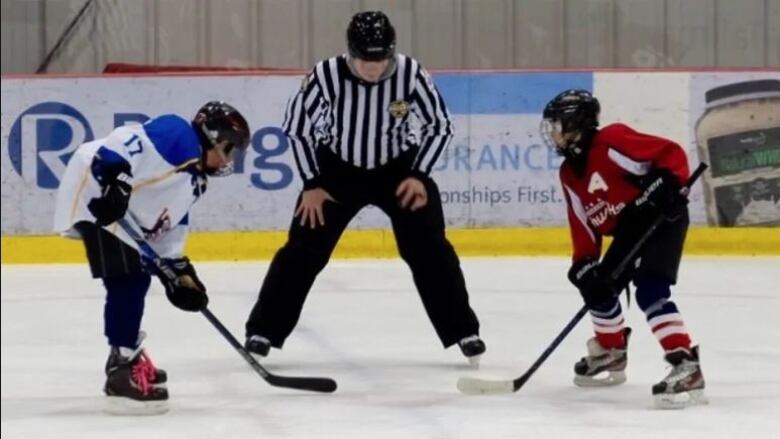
(661, 194)
(116, 182)
(182, 286)
(594, 285)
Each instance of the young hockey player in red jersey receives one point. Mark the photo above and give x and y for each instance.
(616, 182)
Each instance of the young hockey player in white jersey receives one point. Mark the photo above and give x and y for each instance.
(157, 170)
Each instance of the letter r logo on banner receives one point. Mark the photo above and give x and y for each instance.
(42, 140)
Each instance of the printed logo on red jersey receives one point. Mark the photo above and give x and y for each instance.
(599, 212)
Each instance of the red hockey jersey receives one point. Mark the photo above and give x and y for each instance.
(594, 199)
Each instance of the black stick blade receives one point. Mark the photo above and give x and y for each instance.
(314, 384)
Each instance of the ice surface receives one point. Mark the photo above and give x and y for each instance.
(364, 325)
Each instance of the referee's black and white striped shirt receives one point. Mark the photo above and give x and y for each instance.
(367, 124)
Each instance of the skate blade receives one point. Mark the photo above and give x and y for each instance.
(476, 386)
(678, 401)
(603, 379)
(259, 358)
(119, 406)
(474, 361)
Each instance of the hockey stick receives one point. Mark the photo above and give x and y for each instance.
(314, 384)
(477, 386)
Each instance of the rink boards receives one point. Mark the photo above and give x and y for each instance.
(379, 243)
(498, 182)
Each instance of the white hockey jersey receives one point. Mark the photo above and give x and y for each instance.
(163, 155)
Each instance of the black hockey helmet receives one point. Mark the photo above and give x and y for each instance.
(571, 112)
(217, 122)
(370, 36)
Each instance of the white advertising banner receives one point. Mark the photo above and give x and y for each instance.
(496, 171)
(44, 120)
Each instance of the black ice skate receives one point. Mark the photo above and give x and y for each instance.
(133, 385)
(155, 376)
(602, 367)
(472, 347)
(684, 386)
(258, 345)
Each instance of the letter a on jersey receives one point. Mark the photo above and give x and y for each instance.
(596, 183)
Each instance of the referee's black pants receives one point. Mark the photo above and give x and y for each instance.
(419, 235)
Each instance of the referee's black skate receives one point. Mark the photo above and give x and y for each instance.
(133, 385)
(472, 347)
(258, 345)
(684, 386)
(602, 367)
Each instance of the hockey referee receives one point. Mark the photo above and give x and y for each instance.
(366, 128)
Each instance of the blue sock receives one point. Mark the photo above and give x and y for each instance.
(124, 308)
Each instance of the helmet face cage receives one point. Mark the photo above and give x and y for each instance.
(222, 171)
(229, 151)
(371, 36)
(218, 122)
(546, 129)
(573, 111)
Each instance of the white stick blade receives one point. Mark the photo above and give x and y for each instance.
(477, 386)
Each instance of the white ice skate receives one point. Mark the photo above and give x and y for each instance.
(684, 386)
(602, 367)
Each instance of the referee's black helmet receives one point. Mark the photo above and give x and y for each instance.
(371, 36)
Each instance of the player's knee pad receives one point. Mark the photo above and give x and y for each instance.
(651, 290)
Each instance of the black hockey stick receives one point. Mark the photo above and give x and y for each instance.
(65, 36)
(477, 386)
(314, 384)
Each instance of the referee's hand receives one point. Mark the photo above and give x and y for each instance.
(310, 209)
(411, 194)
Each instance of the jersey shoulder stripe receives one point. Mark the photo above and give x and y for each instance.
(173, 138)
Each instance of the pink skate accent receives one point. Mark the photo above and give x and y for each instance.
(142, 371)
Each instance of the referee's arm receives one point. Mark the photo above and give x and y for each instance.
(303, 110)
(436, 126)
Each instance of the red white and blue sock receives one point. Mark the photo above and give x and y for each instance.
(609, 326)
(662, 314)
